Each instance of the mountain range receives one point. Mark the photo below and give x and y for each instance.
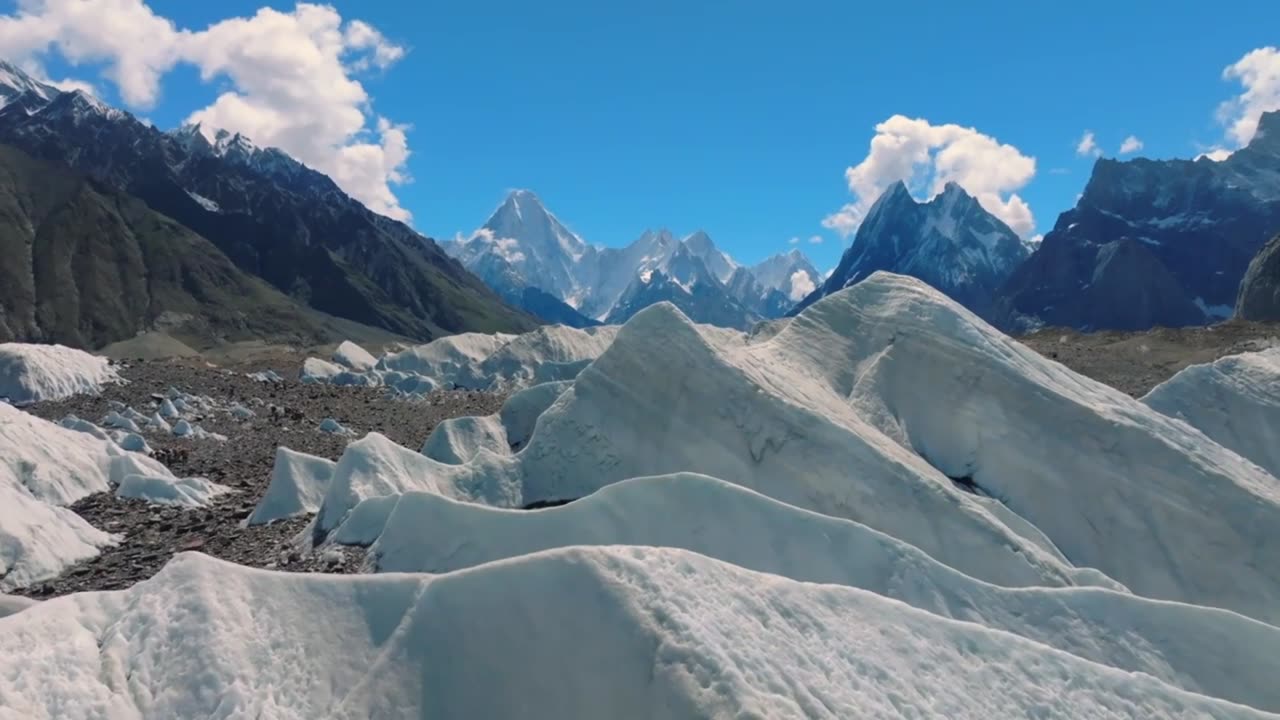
(1149, 242)
(272, 217)
(523, 247)
(1153, 242)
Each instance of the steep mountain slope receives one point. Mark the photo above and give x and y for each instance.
(1190, 228)
(950, 242)
(718, 263)
(14, 83)
(523, 246)
(537, 249)
(87, 265)
(272, 216)
(1259, 296)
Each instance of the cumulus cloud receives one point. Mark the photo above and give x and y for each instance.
(801, 286)
(1088, 146)
(292, 78)
(71, 84)
(1130, 144)
(927, 157)
(1217, 154)
(794, 241)
(1259, 72)
(815, 239)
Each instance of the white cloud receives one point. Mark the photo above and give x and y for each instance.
(1217, 154)
(71, 84)
(291, 75)
(815, 239)
(1088, 146)
(801, 286)
(1131, 144)
(929, 156)
(1259, 72)
(794, 241)
(35, 69)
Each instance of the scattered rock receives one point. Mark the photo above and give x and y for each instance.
(150, 535)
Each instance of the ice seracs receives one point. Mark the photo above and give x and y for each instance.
(43, 468)
(1234, 400)
(890, 405)
(298, 483)
(168, 490)
(34, 373)
(471, 361)
(620, 632)
(1198, 649)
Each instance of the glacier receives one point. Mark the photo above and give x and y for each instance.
(34, 373)
(882, 507)
(620, 632)
(890, 405)
(1234, 400)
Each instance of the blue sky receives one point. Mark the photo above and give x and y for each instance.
(741, 118)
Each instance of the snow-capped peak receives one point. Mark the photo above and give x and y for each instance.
(14, 83)
(79, 105)
(720, 264)
(229, 144)
(951, 242)
(192, 137)
(778, 272)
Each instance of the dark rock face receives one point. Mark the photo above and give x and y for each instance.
(950, 242)
(550, 309)
(86, 265)
(1259, 297)
(271, 215)
(1201, 222)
